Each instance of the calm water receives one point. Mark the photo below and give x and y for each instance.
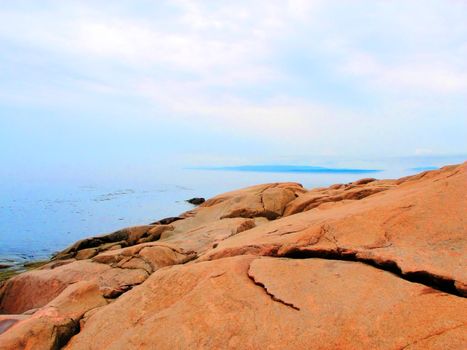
(38, 219)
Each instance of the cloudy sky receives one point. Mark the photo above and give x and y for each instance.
(92, 83)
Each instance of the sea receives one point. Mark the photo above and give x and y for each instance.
(39, 218)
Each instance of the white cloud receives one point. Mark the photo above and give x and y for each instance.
(204, 61)
(232, 43)
(197, 39)
(423, 152)
(421, 73)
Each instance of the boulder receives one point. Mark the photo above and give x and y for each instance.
(53, 325)
(34, 289)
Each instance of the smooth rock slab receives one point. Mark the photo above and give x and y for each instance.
(274, 303)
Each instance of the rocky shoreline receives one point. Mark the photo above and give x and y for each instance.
(375, 264)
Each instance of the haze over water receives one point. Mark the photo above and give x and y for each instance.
(40, 218)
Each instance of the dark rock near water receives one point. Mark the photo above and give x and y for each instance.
(166, 221)
(196, 200)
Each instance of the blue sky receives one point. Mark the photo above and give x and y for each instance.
(89, 84)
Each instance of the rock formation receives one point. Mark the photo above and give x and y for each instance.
(374, 264)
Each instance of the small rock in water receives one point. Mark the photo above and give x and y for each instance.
(196, 200)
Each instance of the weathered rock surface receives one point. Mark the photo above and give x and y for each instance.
(89, 247)
(257, 303)
(51, 326)
(267, 201)
(340, 192)
(374, 264)
(36, 288)
(419, 226)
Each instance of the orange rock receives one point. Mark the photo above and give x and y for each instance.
(354, 191)
(51, 326)
(263, 200)
(205, 236)
(36, 288)
(89, 247)
(256, 303)
(419, 227)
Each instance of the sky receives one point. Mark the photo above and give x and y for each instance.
(99, 85)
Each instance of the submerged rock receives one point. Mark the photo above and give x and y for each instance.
(374, 264)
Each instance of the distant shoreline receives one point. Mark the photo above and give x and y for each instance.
(291, 169)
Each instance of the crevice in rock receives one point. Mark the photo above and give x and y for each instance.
(64, 333)
(271, 295)
(447, 177)
(268, 214)
(432, 335)
(117, 292)
(262, 201)
(7, 324)
(440, 283)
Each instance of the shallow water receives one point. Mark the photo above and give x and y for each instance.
(39, 219)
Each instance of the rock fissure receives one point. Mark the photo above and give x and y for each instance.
(448, 176)
(433, 335)
(63, 333)
(440, 283)
(271, 295)
(262, 201)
